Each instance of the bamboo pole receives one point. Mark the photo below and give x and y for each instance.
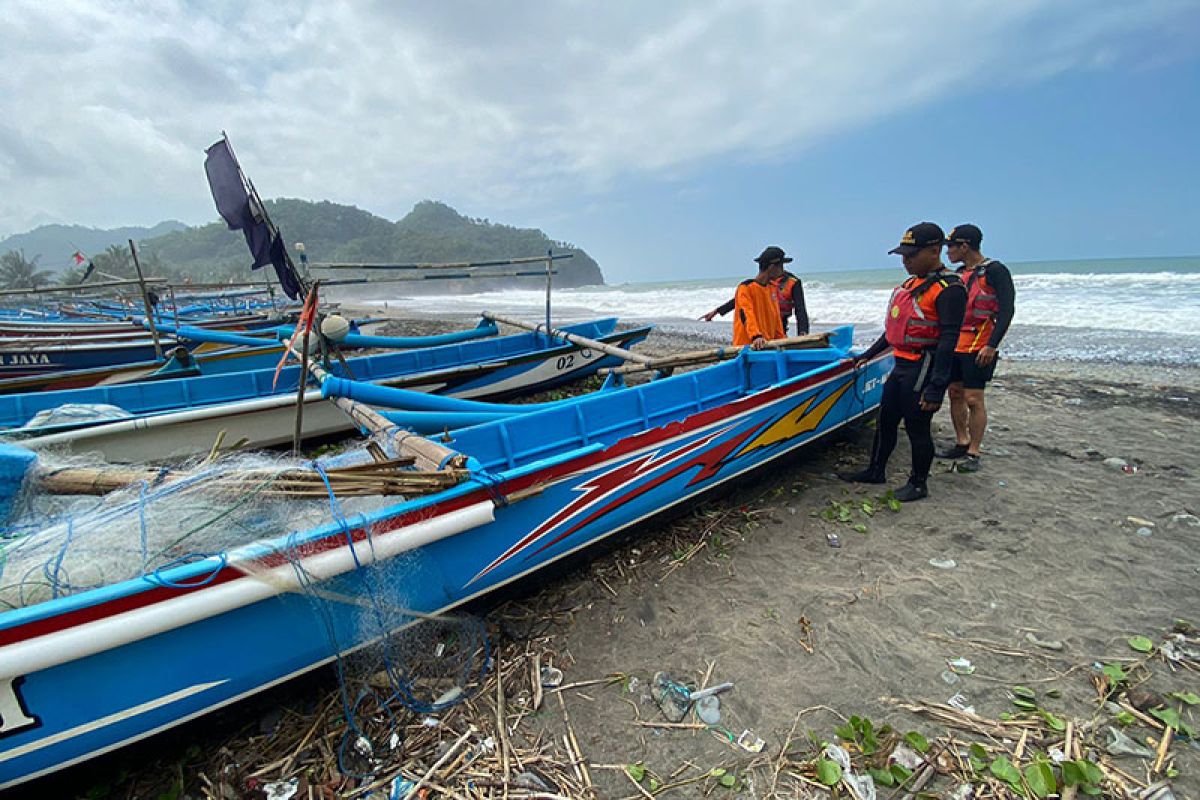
(808, 341)
(73, 287)
(582, 341)
(141, 279)
(442, 265)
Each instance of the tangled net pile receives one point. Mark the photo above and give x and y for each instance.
(397, 659)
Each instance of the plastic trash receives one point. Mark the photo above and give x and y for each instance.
(750, 742)
(961, 702)
(961, 666)
(1115, 463)
(1144, 531)
(708, 709)
(949, 677)
(1121, 745)
(552, 677)
(943, 563)
(833, 540)
(76, 414)
(861, 786)
(400, 788)
(281, 790)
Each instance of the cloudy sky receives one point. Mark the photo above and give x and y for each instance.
(669, 139)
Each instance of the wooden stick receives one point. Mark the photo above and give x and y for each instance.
(582, 341)
(1163, 746)
(141, 279)
(302, 379)
(445, 757)
(808, 341)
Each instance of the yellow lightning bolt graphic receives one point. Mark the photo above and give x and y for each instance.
(802, 419)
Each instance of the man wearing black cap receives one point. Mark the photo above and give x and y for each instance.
(923, 320)
(991, 302)
(755, 312)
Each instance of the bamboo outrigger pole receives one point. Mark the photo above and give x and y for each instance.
(808, 341)
(583, 341)
(74, 287)
(501, 262)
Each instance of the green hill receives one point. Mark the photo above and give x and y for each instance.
(53, 245)
(431, 232)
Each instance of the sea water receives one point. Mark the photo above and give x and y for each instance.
(1143, 311)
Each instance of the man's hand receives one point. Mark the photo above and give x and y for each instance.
(985, 356)
(758, 343)
(930, 405)
(708, 317)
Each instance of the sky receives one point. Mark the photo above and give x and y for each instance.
(670, 140)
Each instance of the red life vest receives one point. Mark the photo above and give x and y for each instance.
(982, 303)
(912, 320)
(781, 290)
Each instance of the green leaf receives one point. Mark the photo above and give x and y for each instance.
(1005, 716)
(1054, 722)
(828, 772)
(1040, 779)
(1191, 698)
(1124, 718)
(882, 777)
(845, 732)
(1024, 692)
(636, 771)
(1141, 644)
(977, 751)
(1003, 769)
(654, 784)
(1072, 773)
(1024, 704)
(1114, 673)
(893, 504)
(1167, 716)
(716, 772)
(900, 772)
(860, 528)
(729, 780)
(917, 742)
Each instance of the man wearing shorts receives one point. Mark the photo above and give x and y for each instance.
(991, 301)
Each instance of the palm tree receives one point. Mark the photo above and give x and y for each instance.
(18, 272)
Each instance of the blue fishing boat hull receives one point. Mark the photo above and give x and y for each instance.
(112, 666)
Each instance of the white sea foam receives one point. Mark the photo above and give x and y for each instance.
(1152, 302)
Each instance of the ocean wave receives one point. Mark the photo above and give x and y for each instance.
(1152, 302)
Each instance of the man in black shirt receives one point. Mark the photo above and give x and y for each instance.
(923, 321)
(991, 303)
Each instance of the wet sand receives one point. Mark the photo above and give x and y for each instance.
(747, 588)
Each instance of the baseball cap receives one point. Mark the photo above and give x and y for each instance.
(966, 233)
(923, 234)
(771, 255)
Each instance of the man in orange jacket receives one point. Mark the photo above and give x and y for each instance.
(756, 318)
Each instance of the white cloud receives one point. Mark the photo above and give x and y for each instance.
(109, 105)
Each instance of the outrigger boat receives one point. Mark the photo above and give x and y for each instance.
(85, 673)
(185, 416)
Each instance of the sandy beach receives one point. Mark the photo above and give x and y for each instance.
(1035, 570)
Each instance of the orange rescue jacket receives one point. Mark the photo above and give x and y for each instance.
(755, 313)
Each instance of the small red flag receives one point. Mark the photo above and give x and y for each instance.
(79, 258)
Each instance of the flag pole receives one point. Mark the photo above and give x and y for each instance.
(146, 302)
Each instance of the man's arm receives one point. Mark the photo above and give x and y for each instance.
(801, 310)
(951, 305)
(875, 349)
(1006, 295)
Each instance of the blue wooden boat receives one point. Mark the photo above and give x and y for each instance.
(184, 416)
(86, 673)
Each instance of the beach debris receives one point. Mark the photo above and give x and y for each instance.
(833, 540)
(750, 741)
(552, 677)
(949, 677)
(1180, 648)
(675, 699)
(961, 666)
(1002, 484)
(1045, 644)
(1130, 469)
(1140, 522)
(708, 709)
(281, 790)
(1186, 520)
(1144, 531)
(943, 563)
(401, 788)
(961, 702)
(1121, 745)
(1158, 791)
(860, 786)
(1115, 463)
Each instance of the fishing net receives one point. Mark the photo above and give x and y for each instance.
(391, 660)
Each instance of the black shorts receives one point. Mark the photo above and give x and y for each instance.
(964, 370)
